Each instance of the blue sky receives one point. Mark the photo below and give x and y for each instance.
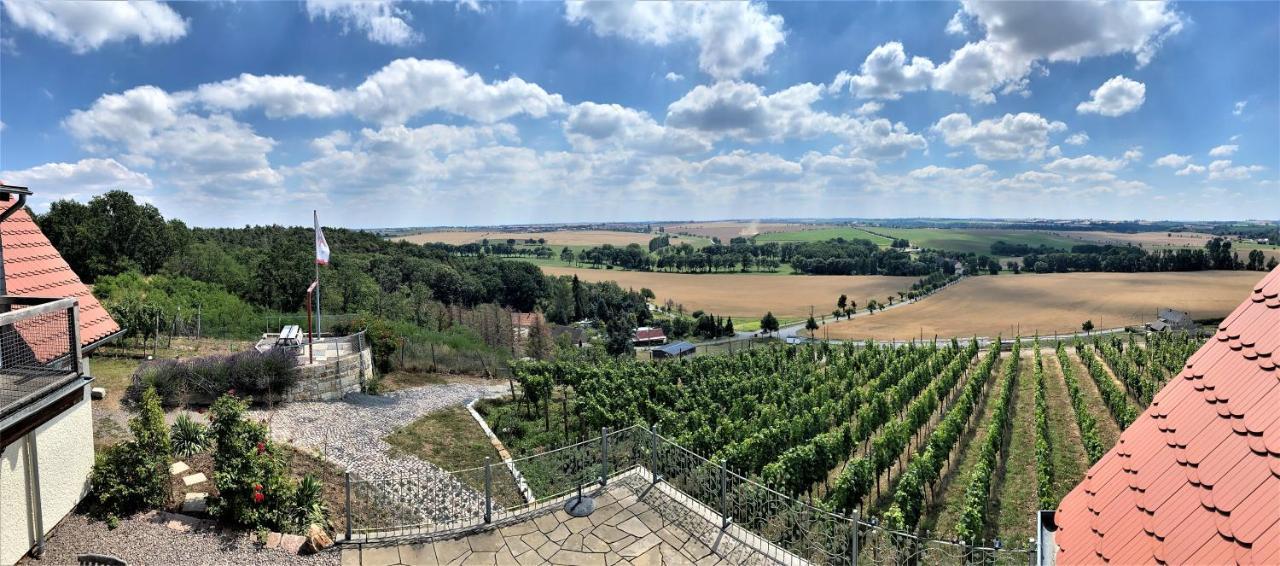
(410, 114)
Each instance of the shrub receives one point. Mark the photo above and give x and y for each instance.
(262, 375)
(134, 475)
(189, 437)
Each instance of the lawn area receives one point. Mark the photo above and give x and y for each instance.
(452, 440)
(974, 240)
(1015, 505)
(397, 380)
(821, 234)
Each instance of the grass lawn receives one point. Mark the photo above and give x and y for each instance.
(1017, 499)
(452, 440)
(822, 234)
(397, 380)
(973, 240)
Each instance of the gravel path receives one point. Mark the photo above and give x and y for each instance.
(141, 541)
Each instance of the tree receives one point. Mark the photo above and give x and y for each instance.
(647, 293)
(567, 255)
(842, 301)
(1087, 326)
(728, 326)
(811, 324)
(537, 345)
(769, 323)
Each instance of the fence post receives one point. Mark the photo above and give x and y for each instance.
(724, 488)
(853, 541)
(348, 482)
(653, 452)
(488, 491)
(604, 456)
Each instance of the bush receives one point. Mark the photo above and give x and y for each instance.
(262, 375)
(189, 437)
(134, 475)
(253, 489)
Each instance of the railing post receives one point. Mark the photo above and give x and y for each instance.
(853, 541)
(488, 491)
(653, 452)
(724, 488)
(348, 482)
(604, 456)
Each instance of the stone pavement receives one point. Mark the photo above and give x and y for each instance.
(633, 524)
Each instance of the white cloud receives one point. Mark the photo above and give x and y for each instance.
(1119, 95)
(380, 20)
(869, 108)
(674, 77)
(1239, 107)
(1224, 150)
(1191, 169)
(591, 126)
(278, 96)
(87, 26)
(1019, 38)
(79, 180)
(1172, 161)
(956, 25)
(408, 87)
(734, 38)
(1013, 136)
(1078, 138)
(1133, 154)
(1222, 169)
(1084, 165)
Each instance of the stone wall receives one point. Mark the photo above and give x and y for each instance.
(344, 367)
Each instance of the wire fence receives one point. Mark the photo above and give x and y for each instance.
(773, 525)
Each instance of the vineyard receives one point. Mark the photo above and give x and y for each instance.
(953, 439)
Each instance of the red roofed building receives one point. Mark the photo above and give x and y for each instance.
(649, 336)
(1196, 479)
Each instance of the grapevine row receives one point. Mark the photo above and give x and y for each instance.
(973, 518)
(923, 471)
(1088, 426)
(1044, 444)
(1115, 399)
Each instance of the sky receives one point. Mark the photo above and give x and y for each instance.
(385, 114)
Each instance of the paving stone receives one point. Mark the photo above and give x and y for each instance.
(530, 559)
(546, 551)
(635, 527)
(534, 540)
(578, 524)
(194, 479)
(593, 543)
(559, 534)
(651, 557)
(672, 557)
(571, 558)
(608, 534)
(195, 502)
(546, 523)
(481, 559)
(293, 543)
(178, 468)
(489, 541)
(521, 528)
(350, 556)
(612, 558)
(622, 543)
(695, 549)
(651, 519)
(504, 558)
(418, 554)
(604, 513)
(673, 535)
(572, 542)
(517, 545)
(181, 523)
(447, 551)
(640, 546)
(622, 515)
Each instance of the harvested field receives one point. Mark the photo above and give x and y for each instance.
(731, 229)
(749, 295)
(554, 238)
(1059, 302)
(1159, 239)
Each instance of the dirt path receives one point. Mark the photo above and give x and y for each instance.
(1015, 505)
(1108, 430)
(941, 519)
(1069, 458)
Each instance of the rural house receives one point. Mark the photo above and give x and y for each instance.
(48, 319)
(1196, 478)
(1169, 319)
(674, 350)
(649, 336)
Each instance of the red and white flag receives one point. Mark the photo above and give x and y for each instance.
(322, 247)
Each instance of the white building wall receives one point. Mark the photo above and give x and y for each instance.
(64, 446)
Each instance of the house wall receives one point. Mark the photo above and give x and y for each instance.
(64, 447)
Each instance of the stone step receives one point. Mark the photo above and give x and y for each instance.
(195, 502)
(178, 468)
(194, 479)
(98, 393)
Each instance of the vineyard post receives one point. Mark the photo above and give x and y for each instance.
(604, 456)
(488, 491)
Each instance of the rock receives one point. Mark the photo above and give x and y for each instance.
(317, 540)
(178, 468)
(194, 479)
(98, 393)
(292, 543)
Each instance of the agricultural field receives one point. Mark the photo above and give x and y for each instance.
(1168, 240)
(961, 441)
(1047, 303)
(584, 238)
(727, 230)
(821, 234)
(973, 240)
(749, 295)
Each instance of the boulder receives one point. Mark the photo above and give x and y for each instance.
(317, 540)
(291, 544)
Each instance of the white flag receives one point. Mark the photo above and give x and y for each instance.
(322, 247)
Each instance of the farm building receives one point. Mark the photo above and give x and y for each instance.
(1169, 319)
(649, 336)
(674, 350)
(48, 319)
(1196, 478)
(576, 335)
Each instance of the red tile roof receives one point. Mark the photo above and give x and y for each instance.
(34, 268)
(1196, 479)
(646, 334)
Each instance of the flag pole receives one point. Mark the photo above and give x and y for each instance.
(315, 216)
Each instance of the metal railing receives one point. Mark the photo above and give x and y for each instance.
(771, 524)
(39, 348)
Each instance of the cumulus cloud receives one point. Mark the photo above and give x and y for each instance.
(1172, 161)
(869, 108)
(674, 77)
(1012, 136)
(1078, 138)
(734, 38)
(379, 20)
(1133, 154)
(592, 126)
(1224, 170)
(278, 96)
(1225, 150)
(1119, 95)
(79, 180)
(1084, 165)
(1191, 169)
(1239, 107)
(1019, 37)
(87, 26)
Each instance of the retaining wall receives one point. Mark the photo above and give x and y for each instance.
(345, 366)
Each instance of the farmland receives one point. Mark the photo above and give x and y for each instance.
(820, 234)
(971, 240)
(962, 441)
(1048, 303)
(748, 295)
(727, 230)
(553, 238)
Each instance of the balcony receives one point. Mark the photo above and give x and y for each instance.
(39, 351)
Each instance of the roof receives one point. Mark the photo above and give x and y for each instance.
(525, 319)
(1173, 316)
(1157, 325)
(34, 268)
(1196, 478)
(676, 348)
(647, 333)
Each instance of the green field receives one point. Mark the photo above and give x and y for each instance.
(822, 234)
(973, 240)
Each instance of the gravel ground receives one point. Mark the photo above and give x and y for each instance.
(350, 434)
(141, 541)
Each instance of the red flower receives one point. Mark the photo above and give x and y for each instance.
(257, 487)
(262, 447)
(258, 497)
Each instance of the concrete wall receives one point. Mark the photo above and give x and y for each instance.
(64, 447)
